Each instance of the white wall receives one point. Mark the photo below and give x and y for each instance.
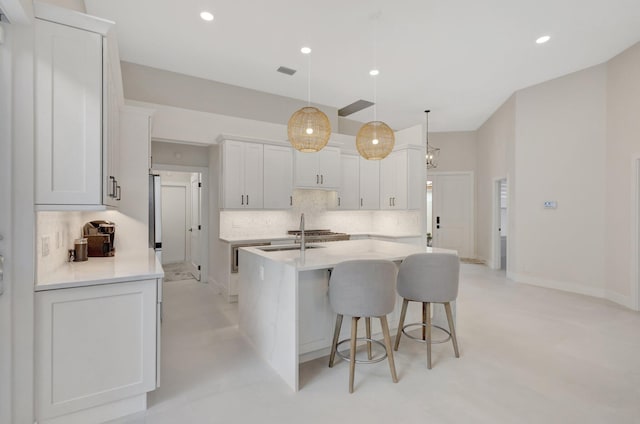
(179, 154)
(457, 150)
(494, 160)
(559, 156)
(623, 147)
(77, 5)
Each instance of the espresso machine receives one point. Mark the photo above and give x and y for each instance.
(100, 237)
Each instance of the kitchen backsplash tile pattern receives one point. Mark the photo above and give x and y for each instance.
(314, 205)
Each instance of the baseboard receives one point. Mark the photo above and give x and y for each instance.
(572, 288)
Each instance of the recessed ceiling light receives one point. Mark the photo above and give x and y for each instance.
(374, 72)
(543, 39)
(207, 16)
(305, 50)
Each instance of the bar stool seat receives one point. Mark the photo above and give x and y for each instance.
(363, 288)
(429, 278)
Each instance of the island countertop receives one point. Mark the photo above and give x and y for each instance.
(139, 265)
(327, 255)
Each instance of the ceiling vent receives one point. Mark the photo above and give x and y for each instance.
(354, 107)
(286, 71)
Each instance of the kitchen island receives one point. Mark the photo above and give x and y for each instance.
(283, 299)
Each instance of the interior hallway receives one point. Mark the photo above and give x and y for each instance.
(528, 355)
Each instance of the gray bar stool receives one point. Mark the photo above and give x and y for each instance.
(428, 278)
(363, 288)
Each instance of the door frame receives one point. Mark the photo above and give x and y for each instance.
(196, 269)
(204, 210)
(635, 248)
(472, 202)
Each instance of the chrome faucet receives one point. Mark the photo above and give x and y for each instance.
(302, 243)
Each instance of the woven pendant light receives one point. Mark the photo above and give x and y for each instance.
(309, 128)
(375, 140)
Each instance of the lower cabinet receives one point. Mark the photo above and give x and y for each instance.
(96, 350)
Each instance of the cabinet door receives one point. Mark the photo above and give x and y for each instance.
(369, 184)
(233, 175)
(94, 345)
(349, 193)
(110, 135)
(68, 91)
(278, 177)
(387, 181)
(307, 173)
(399, 200)
(329, 167)
(416, 179)
(253, 174)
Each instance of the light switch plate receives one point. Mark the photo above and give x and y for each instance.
(550, 204)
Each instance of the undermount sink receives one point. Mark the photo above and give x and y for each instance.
(283, 248)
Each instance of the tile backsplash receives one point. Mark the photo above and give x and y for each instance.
(314, 205)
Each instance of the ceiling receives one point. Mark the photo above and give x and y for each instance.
(462, 59)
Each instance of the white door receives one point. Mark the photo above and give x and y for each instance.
(453, 212)
(174, 224)
(195, 226)
(5, 226)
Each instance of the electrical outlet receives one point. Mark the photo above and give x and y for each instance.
(45, 246)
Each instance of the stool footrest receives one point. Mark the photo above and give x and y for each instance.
(419, 339)
(362, 361)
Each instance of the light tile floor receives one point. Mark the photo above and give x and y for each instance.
(528, 355)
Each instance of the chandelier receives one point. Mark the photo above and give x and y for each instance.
(432, 152)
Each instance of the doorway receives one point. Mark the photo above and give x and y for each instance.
(181, 224)
(451, 211)
(500, 224)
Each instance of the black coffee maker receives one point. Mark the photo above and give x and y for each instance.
(100, 237)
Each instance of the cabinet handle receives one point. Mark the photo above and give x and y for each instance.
(119, 191)
(247, 200)
(113, 186)
(338, 201)
(394, 201)
(290, 200)
(389, 201)
(361, 202)
(242, 200)
(1, 274)
(317, 179)
(321, 179)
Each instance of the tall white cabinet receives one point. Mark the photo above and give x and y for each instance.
(349, 192)
(400, 181)
(242, 173)
(278, 177)
(369, 184)
(68, 90)
(318, 170)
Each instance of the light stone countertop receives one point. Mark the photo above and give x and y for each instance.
(327, 255)
(122, 267)
(285, 237)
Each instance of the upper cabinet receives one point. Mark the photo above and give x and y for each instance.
(68, 90)
(400, 180)
(369, 184)
(278, 177)
(349, 192)
(78, 93)
(242, 174)
(318, 170)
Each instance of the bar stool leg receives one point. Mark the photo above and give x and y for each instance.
(424, 320)
(336, 335)
(454, 339)
(367, 322)
(352, 352)
(403, 314)
(428, 338)
(387, 345)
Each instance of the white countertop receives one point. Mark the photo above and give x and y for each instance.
(121, 267)
(277, 237)
(329, 254)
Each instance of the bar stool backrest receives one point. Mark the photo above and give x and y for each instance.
(429, 277)
(363, 288)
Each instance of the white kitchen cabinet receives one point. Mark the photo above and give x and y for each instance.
(401, 179)
(95, 346)
(369, 184)
(318, 170)
(68, 99)
(278, 177)
(349, 192)
(112, 183)
(242, 173)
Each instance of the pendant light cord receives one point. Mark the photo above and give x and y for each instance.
(309, 80)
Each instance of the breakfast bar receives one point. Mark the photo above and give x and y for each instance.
(284, 308)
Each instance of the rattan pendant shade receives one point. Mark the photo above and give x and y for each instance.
(375, 140)
(309, 130)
